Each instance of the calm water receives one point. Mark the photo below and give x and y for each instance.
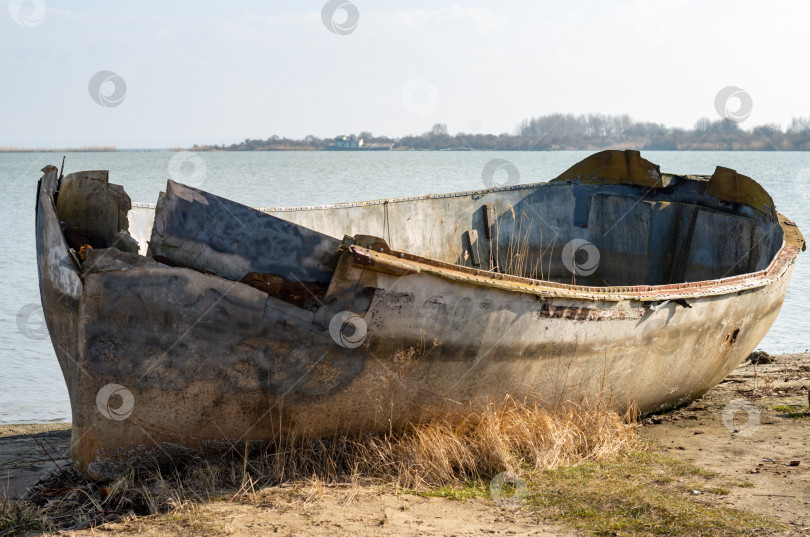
(31, 385)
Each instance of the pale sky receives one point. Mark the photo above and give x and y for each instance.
(220, 72)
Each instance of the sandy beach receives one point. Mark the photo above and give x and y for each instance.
(745, 429)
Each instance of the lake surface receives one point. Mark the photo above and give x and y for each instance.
(31, 384)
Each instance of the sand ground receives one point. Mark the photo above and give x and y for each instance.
(733, 430)
(766, 441)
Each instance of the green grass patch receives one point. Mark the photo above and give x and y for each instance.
(793, 411)
(473, 489)
(640, 493)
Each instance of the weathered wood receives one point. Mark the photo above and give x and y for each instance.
(87, 202)
(203, 231)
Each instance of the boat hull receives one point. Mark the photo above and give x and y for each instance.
(156, 356)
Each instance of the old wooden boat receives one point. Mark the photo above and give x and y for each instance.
(199, 320)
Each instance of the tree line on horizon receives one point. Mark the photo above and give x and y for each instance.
(571, 132)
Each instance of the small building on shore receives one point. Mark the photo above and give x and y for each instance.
(348, 142)
(355, 143)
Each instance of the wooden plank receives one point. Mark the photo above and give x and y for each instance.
(197, 229)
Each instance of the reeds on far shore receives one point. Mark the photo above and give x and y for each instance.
(512, 435)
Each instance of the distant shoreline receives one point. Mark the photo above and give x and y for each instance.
(82, 150)
(452, 149)
(550, 132)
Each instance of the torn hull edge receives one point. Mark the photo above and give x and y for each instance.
(160, 357)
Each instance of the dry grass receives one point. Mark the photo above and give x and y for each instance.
(513, 436)
(523, 256)
(583, 467)
(518, 436)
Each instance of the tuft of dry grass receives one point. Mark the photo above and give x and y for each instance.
(516, 436)
(513, 436)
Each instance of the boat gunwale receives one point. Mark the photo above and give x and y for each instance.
(397, 262)
(462, 193)
(380, 201)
